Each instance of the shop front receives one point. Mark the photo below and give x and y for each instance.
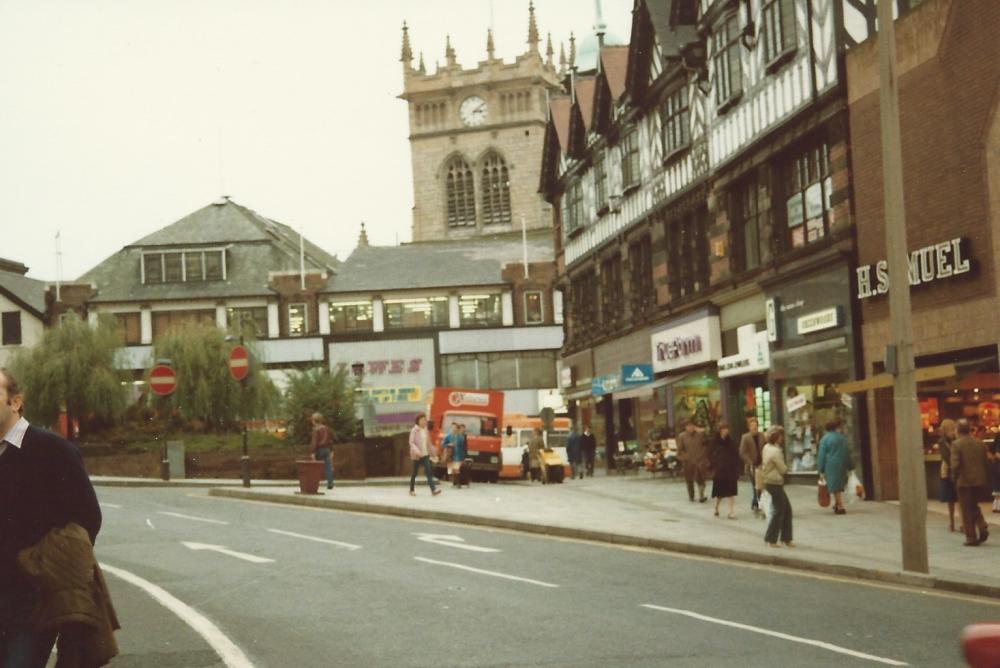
(621, 395)
(575, 374)
(810, 329)
(745, 376)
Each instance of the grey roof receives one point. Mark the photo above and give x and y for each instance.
(672, 36)
(29, 292)
(256, 246)
(437, 264)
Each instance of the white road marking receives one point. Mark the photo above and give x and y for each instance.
(777, 634)
(252, 558)
(484, 572)
(192, 517)
(349, 546)
(105, 504)
(227, 650)
(150, 523)
(452, 541)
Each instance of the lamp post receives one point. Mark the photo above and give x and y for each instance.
(358, 371)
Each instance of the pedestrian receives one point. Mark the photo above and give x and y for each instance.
(589, 446)
(574, 453)
(322, 446)
(773, 469)
(44, 489)
(691, 452)
(420, 454)
(535, 447)
(459, 452)
(946, 484)
(750, 447)
(725, 459)
(970, 468)
(833, 463)
(448, 448)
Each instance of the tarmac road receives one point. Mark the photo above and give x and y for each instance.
(268, 585)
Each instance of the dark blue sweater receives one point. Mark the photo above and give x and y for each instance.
(43, 485)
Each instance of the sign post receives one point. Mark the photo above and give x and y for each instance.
(239, 368)
(162, 383)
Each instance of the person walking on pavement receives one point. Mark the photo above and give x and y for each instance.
(725, 459)
(750, 446)
(535, 447)
(574, 453)
(448, 448)
(833, 461)
(43, 486)
(322, 446)
(773, 469)
(459, 452)
(946, 486)
(589, 446)
(420, 454)
(691, 452)
(971, 470)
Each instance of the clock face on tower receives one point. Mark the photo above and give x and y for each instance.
(472, 111)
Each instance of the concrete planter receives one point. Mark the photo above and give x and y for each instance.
(310, 472)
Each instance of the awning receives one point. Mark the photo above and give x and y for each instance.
(578, 394)
(647, 389)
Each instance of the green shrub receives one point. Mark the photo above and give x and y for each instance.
(320, 391)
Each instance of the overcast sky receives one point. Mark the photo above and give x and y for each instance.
(120, 117)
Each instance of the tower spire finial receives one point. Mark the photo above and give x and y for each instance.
(532, 28)
(363, 237)
(562, 57)
(449, 53)
(549, 52)
(420, 66)
(406, 53)
(572, 50)
(489, 43)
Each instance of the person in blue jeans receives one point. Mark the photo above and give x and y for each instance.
(420, 444)
(322, 445)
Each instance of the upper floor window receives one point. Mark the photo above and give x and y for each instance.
(130, 327)
(676, 126)
(350, 316)
(611, 291)
(534, 309)
(298, 319)
(728, 75)
(496, 191)
(630, 159)
(461, 194)
(479, 310)
(640, 257)
(572, 207)
(10, 328)
(168, 322)
(251, 320)
(807, 191)
(600, 182)
(751, 214)
(778, 29)
(584, 314)
(420, 312)
(184, 266)
(687, 251)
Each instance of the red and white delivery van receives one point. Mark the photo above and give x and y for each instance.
(481, 412)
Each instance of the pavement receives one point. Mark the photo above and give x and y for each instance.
(654, 512)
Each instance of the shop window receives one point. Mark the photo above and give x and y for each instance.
(676, 122)
(751, 213)
(298, 319)
(697, 397)
(534, 309)
(728, 70)
(640, 256)
(350, 316)
(630, 159)
(807, 189)
(808, 407)
(129, 325)
(537, 369)
(600, 183)
(612, 299)
(248, 320)
(459, 371)
(778, 31)
(480, 311)
(167, 322)
(426, 312)
(687, 249)
(10, 324)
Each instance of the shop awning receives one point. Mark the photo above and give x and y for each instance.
(647, 389)
(577, 394)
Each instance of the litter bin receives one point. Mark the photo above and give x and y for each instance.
(310, 472)
(175, 459)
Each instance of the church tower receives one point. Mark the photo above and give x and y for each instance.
(476, 140)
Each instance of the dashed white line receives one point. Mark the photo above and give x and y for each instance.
(150, 523)
(105, 504)
(777, 634)
(227, 650)
(316, 539)
(192, 518)
(494, 574)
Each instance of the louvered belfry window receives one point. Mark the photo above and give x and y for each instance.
(461, 193)
(496, 191)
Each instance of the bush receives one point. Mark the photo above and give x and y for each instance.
(320, 391)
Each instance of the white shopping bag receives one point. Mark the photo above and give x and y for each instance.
(855, 490)
(766, 504)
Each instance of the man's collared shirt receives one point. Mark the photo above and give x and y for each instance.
(15, 436)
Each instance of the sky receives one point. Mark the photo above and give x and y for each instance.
(122, 117)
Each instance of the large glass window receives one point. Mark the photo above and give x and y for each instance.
(194, 269)
(298, 319)
(500, 371)
(214, 265)
(248, 320)
(751, 208)
(572, 207)
(479, 310)
(808, 407)
(612, 300)
(10, 324)
(152, 267)
(807, 189)
(534, 310)
(537, 369)
(165, 322)
(584, 313)
(640, 258)
(495, 191)
(349, 316)
(728, 75)
(423, 312)
(461, 194)
(459, 371)
(676, 126)
(778, 29)
(630, 159)
(600, 183)
(188, 266)
(687, 249)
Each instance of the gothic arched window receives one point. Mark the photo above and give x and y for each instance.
(496, 191)
(461, 193)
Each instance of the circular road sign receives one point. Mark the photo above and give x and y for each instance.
(239, 363)
(162, 380)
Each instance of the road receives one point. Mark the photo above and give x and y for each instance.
(253, 584)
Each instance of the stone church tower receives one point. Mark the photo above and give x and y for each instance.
(476, 140)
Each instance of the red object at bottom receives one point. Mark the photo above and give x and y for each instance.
(981, 645)
(310, 472)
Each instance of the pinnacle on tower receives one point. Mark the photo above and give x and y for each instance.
(406, 54)
(420, 67)
(489, 44)
(562, 58)
(549, 52)
(532, 28)
(363, 237)
(572, 50)
(449, 53)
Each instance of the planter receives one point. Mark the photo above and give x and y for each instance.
(310, 473)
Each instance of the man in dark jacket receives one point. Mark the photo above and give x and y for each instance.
(751, 445)
(970, 468)
(43, 485)
(693, 454)
(589, 446)
(574, 453)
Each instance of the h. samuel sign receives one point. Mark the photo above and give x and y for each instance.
(927, 265)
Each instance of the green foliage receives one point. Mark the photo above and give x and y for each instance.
(73, 367)
(320, 391)
(205, 392)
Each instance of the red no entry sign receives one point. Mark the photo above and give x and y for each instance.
(239, 363)
(162, 380)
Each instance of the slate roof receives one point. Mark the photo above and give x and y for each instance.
(614, 61)
(437, 264)
(560, 108)
(256, 245)
(671, 37)
(585, 98)
(28, 292)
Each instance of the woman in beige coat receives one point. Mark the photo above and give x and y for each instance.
(773, 468)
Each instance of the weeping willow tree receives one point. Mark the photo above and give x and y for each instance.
(320, 391)
(73, 369)
(205, 391)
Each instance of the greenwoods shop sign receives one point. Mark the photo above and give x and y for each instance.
(927, 265)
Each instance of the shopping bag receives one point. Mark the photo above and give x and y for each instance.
(854, 483)
(823, 494)
(766, 504)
